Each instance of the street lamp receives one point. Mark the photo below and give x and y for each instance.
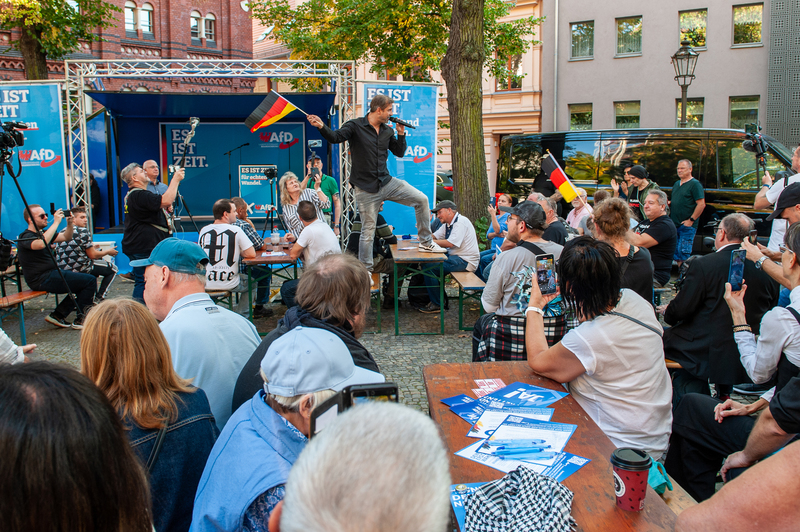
(684, 61)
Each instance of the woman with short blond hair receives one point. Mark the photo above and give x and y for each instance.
(168, 421)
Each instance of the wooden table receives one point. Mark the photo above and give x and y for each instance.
(285, 261)
(425, 260)
(594, 506)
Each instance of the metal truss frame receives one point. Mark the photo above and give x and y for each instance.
(80, 72)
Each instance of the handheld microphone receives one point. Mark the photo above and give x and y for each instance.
(401, 122)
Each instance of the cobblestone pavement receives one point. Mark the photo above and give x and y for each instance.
(400, 358)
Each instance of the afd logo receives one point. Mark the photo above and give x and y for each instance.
(284, 139)
(266, 208)
(42, 157)
(419, 153)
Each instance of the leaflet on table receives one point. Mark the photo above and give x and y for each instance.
(528, 440)
(469, 412)
(487, 386)
(458, 500)
(458, 400)
(273, 254)
(521, 394)
(564, 465)
(491, 418)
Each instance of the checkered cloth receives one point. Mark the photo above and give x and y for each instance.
(520, 501)
(500, 338)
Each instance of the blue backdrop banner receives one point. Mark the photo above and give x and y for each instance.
(44, 169)
(417, 105)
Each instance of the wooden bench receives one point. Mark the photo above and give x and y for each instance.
(678, 499)
(224, 296)
(475, 285)
(375, 293)
(16, 302)
(671, 364)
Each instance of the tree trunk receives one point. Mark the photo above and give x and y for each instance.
(462, 70)
(32, 53)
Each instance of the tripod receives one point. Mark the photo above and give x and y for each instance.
(272, 212)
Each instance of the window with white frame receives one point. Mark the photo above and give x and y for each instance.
(146, 18)
(130, 16)
(194, 24)
(210, 27)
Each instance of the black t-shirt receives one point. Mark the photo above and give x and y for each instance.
(556, 232)
(36, 264)
(142, 210)
(663, 231)
(638, 275)
(785, 407)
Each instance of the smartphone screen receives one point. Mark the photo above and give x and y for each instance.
(372, 392)
(753, 236)
(736, 270)
(494, 202)
(546, 274)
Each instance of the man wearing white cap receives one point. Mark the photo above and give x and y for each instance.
(245, 474)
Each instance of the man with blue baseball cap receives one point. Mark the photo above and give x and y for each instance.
(209, 344)
(245, 474)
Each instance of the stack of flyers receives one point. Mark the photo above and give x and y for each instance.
(528, 440)
(562, 467)
(487, 386)
(458, 400)
(491, 418)
(521, 394)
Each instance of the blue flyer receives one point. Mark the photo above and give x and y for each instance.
(528, 440)
(458, 400)
(492, 418)
(521, 394)
(563, 466)
(469, 412)
(458, 499)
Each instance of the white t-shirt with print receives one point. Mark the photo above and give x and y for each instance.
(223, 243)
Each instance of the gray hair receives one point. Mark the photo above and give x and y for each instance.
(536, 196)
(127, 172)
(737, 226)
(661, 195)
(687, 161)
(377, 466)
(181, 277)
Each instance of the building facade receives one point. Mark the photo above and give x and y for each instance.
(153, 30)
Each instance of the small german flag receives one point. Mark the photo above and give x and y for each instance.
(273, 108)
(559, 178)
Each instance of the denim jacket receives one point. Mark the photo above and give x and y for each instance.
(180, 463)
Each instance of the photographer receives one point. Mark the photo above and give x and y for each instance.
(78, 254)
(329, 186)
(40, 269)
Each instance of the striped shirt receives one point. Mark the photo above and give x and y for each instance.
(292, 221)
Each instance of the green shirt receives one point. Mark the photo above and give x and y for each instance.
(331, 189)
(684, 200)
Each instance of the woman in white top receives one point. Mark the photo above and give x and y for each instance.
(291, 195)
(613, 362)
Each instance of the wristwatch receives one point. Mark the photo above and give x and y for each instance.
(760, 262)
(692, 219)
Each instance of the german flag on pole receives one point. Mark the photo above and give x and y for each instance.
(559, 178)
(273, 108)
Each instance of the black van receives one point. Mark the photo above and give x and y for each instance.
(726, 170)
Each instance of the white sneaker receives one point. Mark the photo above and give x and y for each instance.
(431, 247)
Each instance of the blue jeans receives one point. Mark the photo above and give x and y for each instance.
(454, 263)
(369, 204)
(264, 275)
(83, 285)
(138, 276)
(683, 250)
(486, 259)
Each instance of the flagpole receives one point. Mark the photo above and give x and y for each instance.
(570, 182)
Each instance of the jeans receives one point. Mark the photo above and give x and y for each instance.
(369, 205)
(138, 277)
(264, 276)
(108, 272)
(683, 250)
(454, 263)
(486, 259)
(82, 285)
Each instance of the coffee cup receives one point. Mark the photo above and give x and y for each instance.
(631, 468)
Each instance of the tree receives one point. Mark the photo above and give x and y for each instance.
(411, 38)
(53, 28)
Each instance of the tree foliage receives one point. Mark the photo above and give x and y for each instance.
(54, 28)
(404, 37)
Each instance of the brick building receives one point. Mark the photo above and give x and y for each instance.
(152, 30)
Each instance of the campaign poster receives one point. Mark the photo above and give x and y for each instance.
(254, 189)
(211, 172)
(417, 105)
(42, 157)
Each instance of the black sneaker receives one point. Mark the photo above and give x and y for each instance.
(58, 322)
(430, 308)
(78, 323)
(262, 312)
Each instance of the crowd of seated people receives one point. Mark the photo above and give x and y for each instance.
(198, 424)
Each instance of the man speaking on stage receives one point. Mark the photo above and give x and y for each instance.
(370, 141)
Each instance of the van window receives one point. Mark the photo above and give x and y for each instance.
(580, 159)
(737, 167)
(523, 162)
(659, 156)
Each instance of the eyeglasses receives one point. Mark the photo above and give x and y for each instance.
(42, 216)
(784, 249)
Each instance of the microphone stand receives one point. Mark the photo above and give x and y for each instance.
(230, 181)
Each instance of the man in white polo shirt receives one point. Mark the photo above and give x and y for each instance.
(315, 241)
(457, 236)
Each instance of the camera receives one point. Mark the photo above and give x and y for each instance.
(755, 143)
(271, 172)
(11, 136)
